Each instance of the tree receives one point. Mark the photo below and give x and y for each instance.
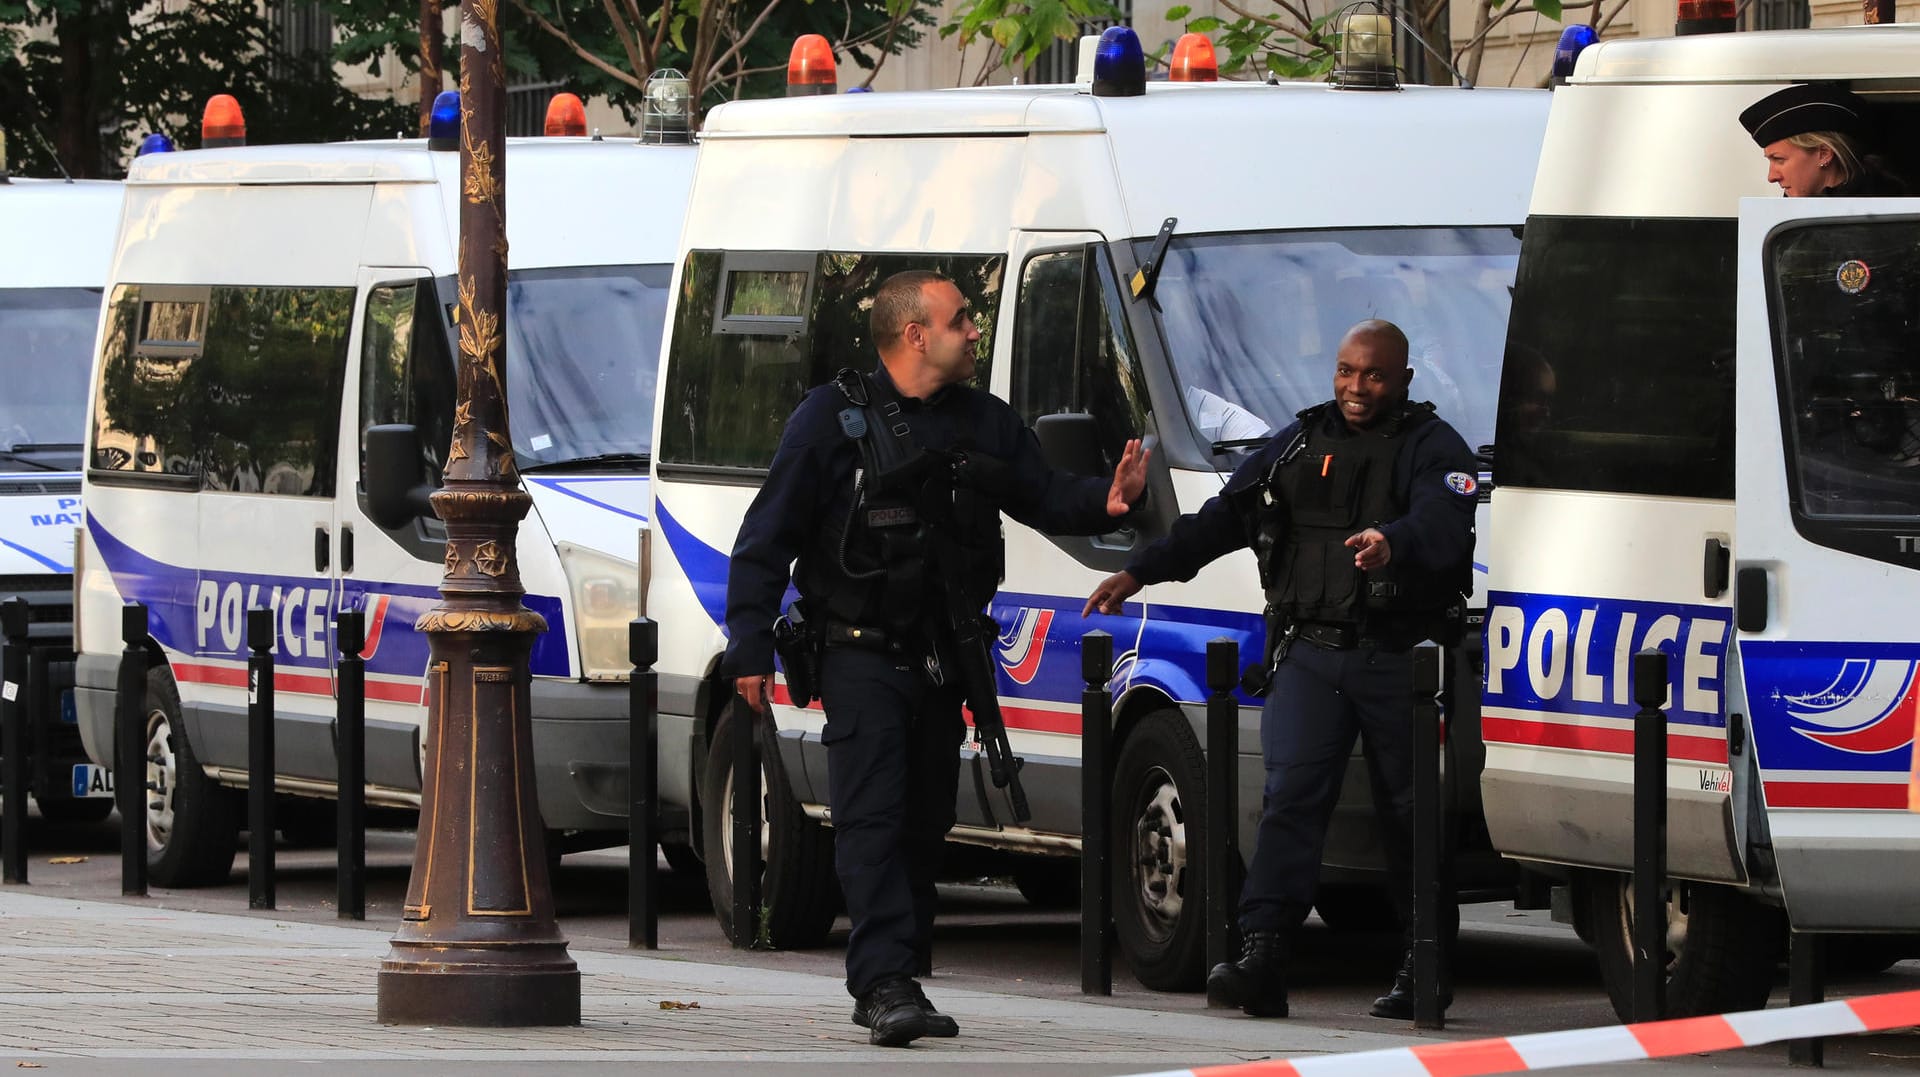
(1016, 32)
(114, 69)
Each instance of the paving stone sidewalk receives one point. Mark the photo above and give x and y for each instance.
(109, 980)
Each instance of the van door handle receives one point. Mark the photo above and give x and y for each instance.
(1751, 599)
(346, 549)
(1713, 568)
(321, 549)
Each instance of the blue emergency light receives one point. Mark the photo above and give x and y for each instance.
(1119, 67)
(443, 124)
(1572, 40)
(154, 143)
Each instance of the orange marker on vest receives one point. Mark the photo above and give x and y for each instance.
(1325, 463)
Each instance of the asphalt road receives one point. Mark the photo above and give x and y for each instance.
(1516, 972)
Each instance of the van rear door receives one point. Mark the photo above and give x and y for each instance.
(1828, 547)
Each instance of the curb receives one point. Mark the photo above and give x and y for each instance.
(1586, 1046)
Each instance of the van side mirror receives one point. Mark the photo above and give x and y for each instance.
(392, 476)
(1070, 442)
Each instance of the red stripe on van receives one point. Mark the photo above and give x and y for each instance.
(1588, 738)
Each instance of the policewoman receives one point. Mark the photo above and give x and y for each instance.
(1361, 515)
(887, 490)
(1817, 140)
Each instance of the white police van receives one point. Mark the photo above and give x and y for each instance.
(1286, 212)
(56, 239)
(273, 398)
(1707, 445)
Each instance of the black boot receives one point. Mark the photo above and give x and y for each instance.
(939, 1025)
(1397, 1003)
(892, 1013)
(1257, 982)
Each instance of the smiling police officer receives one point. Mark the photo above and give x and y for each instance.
(888, 488)
(1361, 514)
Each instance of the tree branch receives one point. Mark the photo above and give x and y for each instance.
(629, 41)
(1264, 21)
(740, 40)
(1493, 20)
(564, 38)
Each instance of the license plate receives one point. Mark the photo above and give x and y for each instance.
(91, 781)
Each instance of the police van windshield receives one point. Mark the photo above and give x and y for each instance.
(1251, 320)
(583, 343)
(46, 351)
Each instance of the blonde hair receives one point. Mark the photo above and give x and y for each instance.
(1846, 156)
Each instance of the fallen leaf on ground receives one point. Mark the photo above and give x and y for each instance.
(66, 860)
(36, 1065)
(669, 1004)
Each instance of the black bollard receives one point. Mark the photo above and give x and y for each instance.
(746, 823)
(1806, 984)
(1428, 835)
(643, 781)
(350, 810)
(14, 712)
(130, 750)
(1649, 837)
(1222, 800)
(260, 640)
(1096, 814)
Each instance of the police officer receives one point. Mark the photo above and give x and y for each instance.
(1815, 138)
(1361, 513)
(887, 488)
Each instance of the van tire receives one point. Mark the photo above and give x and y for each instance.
(193, 822)
(1720, 959)
(799, 892)
(1158, 849)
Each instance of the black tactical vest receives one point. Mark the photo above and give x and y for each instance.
(924, 528)
(1322, 491)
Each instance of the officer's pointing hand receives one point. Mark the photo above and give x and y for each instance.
(1113, 591)
(755, 690)
(1129, 479)
(1375, 550)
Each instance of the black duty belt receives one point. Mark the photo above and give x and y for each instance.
(841, 634)
(1350, 637)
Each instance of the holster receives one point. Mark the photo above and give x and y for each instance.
(798, 646)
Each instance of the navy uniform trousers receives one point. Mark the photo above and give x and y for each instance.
(1319, 700)
(893, 769)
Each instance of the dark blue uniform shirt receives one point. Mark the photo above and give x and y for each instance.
(1433, 475)
(810, 482)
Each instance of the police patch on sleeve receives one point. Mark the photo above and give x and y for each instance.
(1462, 483)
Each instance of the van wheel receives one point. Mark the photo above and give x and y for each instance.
(1159, 853)
(1721, 945)
(193, 822)
(799, 892)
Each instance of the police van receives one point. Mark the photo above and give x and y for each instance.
(56, 239)
(272, 403)
(1707, 442)
(1168, 260)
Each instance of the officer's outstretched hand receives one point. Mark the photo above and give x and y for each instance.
(1374, 549)
(756, 690)
(1113, 591)
(1129, 479)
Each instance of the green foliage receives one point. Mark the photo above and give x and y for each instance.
(1289, 44)
(1020, 30)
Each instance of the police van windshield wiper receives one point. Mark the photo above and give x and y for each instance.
(607, 459)
(17, 453)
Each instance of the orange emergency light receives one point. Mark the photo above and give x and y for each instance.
(223, 124)
(566, 115)
(1193, 60)
(810, 68)
(1705, 17)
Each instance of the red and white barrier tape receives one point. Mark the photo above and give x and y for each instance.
(1586, 1046)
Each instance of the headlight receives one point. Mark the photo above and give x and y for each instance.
(606, 598)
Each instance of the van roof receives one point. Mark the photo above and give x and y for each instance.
(1771, 56)
(379, 161)
(1053, 108)
(55, 234)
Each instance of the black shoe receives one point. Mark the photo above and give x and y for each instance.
(939, 1025)
(892, 1014)
(1397, 1003)
(1257, 982)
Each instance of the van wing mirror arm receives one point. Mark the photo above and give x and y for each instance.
(1147, 277)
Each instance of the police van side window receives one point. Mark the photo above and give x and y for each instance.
(1846, 306)
(736, 369)
(237, 389)
(406, 376)
(1072, 352)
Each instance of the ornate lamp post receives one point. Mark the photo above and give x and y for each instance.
(478, 944)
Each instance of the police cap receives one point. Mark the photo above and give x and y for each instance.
(1802, 109)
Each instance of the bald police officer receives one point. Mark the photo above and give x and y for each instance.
(1361, 514)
